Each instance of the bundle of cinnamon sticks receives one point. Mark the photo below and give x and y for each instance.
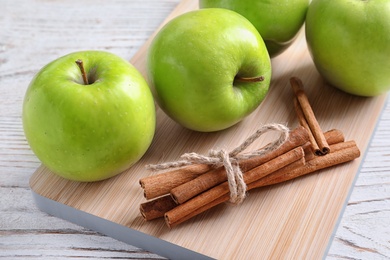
(183, 193)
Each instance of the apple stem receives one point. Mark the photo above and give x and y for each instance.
(83, 74)
(253, 79)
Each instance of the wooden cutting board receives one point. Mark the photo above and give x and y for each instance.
(293, 220)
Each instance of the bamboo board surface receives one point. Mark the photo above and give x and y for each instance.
(291, 220)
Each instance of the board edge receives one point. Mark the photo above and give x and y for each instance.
(114, 230)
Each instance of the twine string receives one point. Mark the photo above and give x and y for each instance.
(230, 160)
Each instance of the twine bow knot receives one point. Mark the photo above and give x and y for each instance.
(230, 160)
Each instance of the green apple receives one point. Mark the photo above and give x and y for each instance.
(91, 129)
(277, 21)
(209, 69)
(349, 41)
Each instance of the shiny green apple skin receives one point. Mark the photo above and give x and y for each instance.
(89, 132)
(192, 64)
(277, 21)
(349, 41)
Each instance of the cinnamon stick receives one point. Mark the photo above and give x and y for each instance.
(334, 136)
(156, 208)
(179, 213)
(160, 184)
(302, 121)
(307, 118)
(333, 146)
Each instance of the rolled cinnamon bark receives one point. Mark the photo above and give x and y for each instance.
(307, 118)
(160, 184)
(156, 208)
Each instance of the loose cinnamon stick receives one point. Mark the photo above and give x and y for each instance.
(307, 118)
(333, 146)
(156, 208)
(179, 213)
(160, 184)
(334, 136)
(302, 121)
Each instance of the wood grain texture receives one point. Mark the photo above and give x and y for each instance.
(35, 32)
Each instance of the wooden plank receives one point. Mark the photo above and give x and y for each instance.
(292, 220)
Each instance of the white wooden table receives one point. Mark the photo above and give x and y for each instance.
(34, 32)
